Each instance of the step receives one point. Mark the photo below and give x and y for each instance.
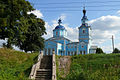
(44, 74)
(45, 71)
(43, 79)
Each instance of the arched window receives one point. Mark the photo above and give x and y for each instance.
(83, 30)
(82, 46)
(84, 52)
(68, 52)
(75, 52)
(80, 52)
(56, 33)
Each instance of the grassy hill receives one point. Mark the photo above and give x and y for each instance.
(94, 67)
(15, 65)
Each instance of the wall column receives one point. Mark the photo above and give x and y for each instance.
(46, 51)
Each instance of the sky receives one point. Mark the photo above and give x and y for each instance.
(103, 16)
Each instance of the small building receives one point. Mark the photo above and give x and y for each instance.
(92, 49)
(64, 46)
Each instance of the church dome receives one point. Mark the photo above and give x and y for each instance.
(59, 27)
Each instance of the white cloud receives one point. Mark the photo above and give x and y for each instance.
(37, 13)
(49, 30)
(63, 16)
(72, 33)
(104, 27)
(106, 23)
(118, 12)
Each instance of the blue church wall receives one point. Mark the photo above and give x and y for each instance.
(84, 40)
(50, 46)
(83, 48)
(72, 49)
(63, 42)
(83, 33)
(59, 33)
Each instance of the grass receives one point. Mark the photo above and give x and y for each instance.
(15, 65)
(94, 67)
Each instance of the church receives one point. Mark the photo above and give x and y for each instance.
(63, 46)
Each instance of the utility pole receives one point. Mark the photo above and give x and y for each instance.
(113, 42)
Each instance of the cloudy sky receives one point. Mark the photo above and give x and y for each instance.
(104, 19)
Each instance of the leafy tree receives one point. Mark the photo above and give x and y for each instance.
(99, 51)
(12, 13)
(34, 40)
(116, 50)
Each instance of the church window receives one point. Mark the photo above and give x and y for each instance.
(83, 31)
(75, 52)
(75, 46)
(82, 46)
(72, 53)
(80, 52)
(71, 46)
(56, 33)
(84, 52)
(68, 52)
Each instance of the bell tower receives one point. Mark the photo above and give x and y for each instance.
(84, 35)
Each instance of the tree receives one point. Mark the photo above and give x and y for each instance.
(99, 51)
(34, 40)
(116, 50)
(12, 13)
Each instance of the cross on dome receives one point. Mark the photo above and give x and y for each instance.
(59, 21)
(84, 11)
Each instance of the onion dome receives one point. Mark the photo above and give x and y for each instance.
(59, 26)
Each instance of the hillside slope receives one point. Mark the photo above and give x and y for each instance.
(94, 67)
(15, 65)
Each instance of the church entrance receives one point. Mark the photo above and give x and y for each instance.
(75, 52)
(84, 52)
(80, 52)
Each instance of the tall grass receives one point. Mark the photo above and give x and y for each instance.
(95, 67)
(15, 65)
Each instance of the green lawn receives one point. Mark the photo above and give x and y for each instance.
(15, 65)
(94, 67)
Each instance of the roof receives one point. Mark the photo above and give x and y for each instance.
(93, 47)
(57, 38)
(54, 41)
(73, 43)
(86, 25)
(59, 27)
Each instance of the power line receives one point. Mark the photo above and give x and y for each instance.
(80, 6)
(79, 10)
(76, 2)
